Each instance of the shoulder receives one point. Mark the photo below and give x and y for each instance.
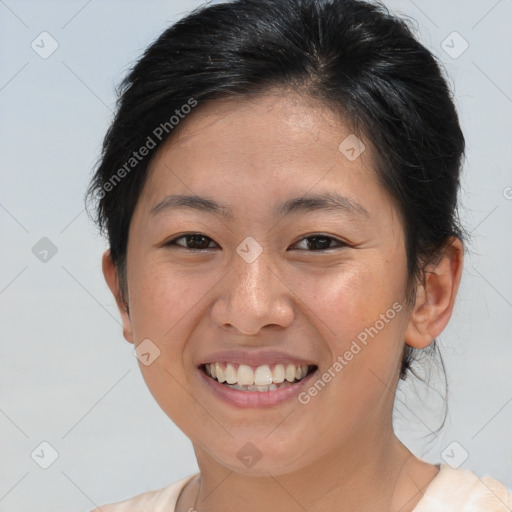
(158, 500)
(462, 490)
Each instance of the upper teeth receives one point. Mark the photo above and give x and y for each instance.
(246, 375)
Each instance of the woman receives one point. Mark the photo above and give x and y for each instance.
(279, 189)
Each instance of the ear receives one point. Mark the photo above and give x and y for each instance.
(112, 278)
(435, 299)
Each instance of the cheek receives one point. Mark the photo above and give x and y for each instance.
(351, 297)
(161, 298)
(358, 311)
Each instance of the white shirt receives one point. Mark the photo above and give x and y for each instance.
(452, 490)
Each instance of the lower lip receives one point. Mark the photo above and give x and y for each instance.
(255, 398)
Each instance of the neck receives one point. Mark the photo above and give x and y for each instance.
(368, 474)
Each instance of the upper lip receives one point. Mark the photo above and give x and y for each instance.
(254, 358)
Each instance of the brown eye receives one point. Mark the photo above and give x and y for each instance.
(320, 242)
(193, 241)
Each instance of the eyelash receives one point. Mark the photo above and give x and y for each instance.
(316, 235)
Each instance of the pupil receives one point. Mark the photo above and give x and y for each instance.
(315, 239)
(195, 244)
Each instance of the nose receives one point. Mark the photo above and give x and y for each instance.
(253, 296)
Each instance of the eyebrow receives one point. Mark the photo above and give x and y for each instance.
(327, 201)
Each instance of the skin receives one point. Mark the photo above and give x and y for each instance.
(338, 451)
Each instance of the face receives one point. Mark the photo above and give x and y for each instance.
(301, 262)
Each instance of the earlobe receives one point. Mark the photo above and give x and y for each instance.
(111, 276)
(435, 297)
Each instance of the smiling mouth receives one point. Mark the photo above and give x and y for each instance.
(256, 378)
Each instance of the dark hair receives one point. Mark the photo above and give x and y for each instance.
(351, 54)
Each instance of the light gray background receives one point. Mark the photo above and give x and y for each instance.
(67, 375)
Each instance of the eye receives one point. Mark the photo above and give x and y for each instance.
(320, 242)
(193, 241)
(200, 242)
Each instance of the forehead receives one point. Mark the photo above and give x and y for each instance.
(277, 140)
